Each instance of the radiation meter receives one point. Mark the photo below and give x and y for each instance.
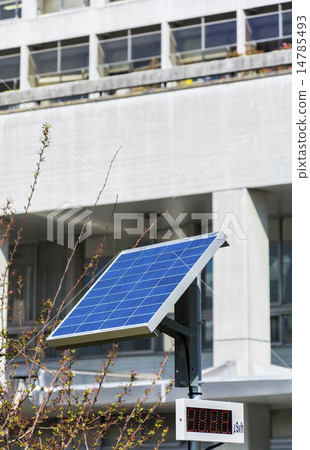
(209, 421)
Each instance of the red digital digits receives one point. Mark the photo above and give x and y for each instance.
(214, 414)
(191, 414)
(225, 428)
(202, 420)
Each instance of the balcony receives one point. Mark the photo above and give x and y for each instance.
(269, 28)
(62, 62)
(131, 52)
(209, 38)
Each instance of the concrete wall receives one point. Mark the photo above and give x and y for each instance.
(168, 140)
(33, 29)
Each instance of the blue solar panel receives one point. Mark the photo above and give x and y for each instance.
(136, 291)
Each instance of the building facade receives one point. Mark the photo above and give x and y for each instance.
(196, 95)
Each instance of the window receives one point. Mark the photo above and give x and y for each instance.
(58, 62)
(203, 39)
(39, 267)
(9, 69)
(129, 51)
(10, 9)
(52, 6)
(207, 306)
(280, 263)
(269, 28)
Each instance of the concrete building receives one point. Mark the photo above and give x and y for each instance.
(197, 95)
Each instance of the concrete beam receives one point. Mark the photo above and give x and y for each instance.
(146, 78)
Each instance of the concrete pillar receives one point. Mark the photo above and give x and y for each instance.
(93, 57)
(29, 12)
(241, 311)
(24, 63)
(241, 35)
(165, 46)
(98, 3)
(29, 9)
(4, 253)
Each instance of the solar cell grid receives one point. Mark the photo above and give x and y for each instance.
(134, 287)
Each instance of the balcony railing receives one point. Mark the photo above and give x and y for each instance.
(129, 54)
(58, 65)
(269, 31)
(203, 42)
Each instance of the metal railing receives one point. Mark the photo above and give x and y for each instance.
(117, 55)
(50, 66)
(106, 86)
(273, 38)
(191, 43)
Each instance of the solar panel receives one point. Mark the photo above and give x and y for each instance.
(136, 292)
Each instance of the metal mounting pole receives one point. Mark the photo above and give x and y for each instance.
(188, 348)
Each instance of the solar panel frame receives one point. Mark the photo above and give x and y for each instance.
(152, 320)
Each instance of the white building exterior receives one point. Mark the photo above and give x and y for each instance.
(197, 95)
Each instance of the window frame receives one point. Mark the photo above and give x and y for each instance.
(280, 308)
(59, 47)
(18, 7)
(176, 56)
(279, 13)
(61, 7)
(16, 80)
(129, 36)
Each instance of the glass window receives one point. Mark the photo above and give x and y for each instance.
(207, 306)
(264, 27)
(280, 264)
(145, 46)
(73, 3)
(137, 50)
(212, 38)
(287, 329)
(287, 272)
(22, 279)
(61, 63)
(52, 259)
(281, 280)
(74, 57)
(10, 9)
(207, 286)
(187, 39)
(219, 34)
(43, 61)
(275, 329)
(274, 268)
(287, 23)
(114, 50)
(9, 71)
(207, 334)
(285, 6)
(52, 6)
(266, 30)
